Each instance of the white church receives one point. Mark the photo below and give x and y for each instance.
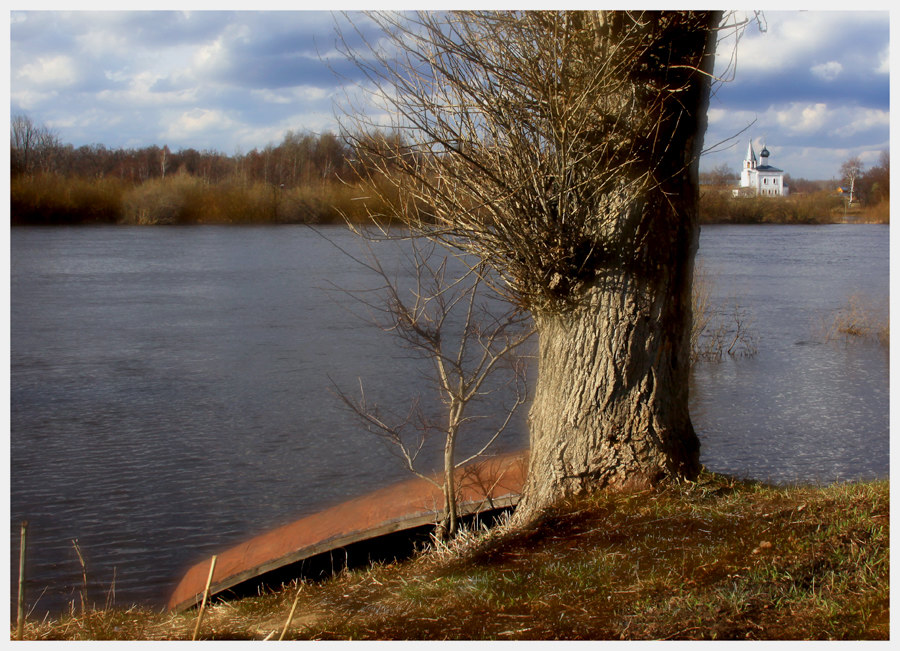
(759, 178)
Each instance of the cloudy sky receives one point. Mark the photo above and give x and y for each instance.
(813, 86)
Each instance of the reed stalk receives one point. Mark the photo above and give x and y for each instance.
(84, 595)
(290, 616)
(212, 569)
(20, 619)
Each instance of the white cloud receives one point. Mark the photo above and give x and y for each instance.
(292, 95)
(216, 56)
(802, 118)
(836, 122)
(782, 42)
(50, 71)
(827, 71)
(716, 115)
(108, 44)
(794, 36)
(884, 62)
(28, 99)
(198, 121)
(853, 121)
(817, 163)
(210, 57)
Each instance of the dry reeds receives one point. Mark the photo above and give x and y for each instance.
(185, 199)
(880, 213)
(718, 331)
(859, 318)
(56, 199)
(815, 208)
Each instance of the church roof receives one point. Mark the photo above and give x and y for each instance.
(764, 154)
(751, 155)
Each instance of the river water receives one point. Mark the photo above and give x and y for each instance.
(172, 393)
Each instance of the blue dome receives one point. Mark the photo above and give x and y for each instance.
(764, 153)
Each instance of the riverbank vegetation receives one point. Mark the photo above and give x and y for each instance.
(822, 207)
(718, 207)
(718, 330)
(809, 202)
(712, 559)
(307, 178)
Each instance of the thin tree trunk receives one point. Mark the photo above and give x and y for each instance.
(450, 513)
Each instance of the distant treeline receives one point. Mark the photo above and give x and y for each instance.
(307, 178)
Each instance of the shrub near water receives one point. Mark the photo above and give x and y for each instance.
(722, 208)
(334, 202)
(183, 199)
(860, 318)
(170, 200)
(54, 199)
(880, 213)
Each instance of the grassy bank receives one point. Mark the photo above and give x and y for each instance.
(715, 559)
(184, 199)
(719, 207)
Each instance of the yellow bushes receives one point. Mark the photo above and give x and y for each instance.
(815, 208)
(54, 199)
(185, 199)
(172, 200)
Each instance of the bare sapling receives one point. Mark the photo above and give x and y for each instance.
(467, 338)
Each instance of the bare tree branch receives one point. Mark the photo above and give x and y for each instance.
(441, 316)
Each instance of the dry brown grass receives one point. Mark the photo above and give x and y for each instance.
(712, 559)
(184, 199)
(880, 213)
(55, 199)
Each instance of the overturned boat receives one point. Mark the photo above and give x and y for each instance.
(382, 525)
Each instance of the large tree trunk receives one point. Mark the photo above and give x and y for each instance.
(611, 404)
(562, 149)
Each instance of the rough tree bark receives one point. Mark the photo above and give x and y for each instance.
(562, 148)
(611, 404)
